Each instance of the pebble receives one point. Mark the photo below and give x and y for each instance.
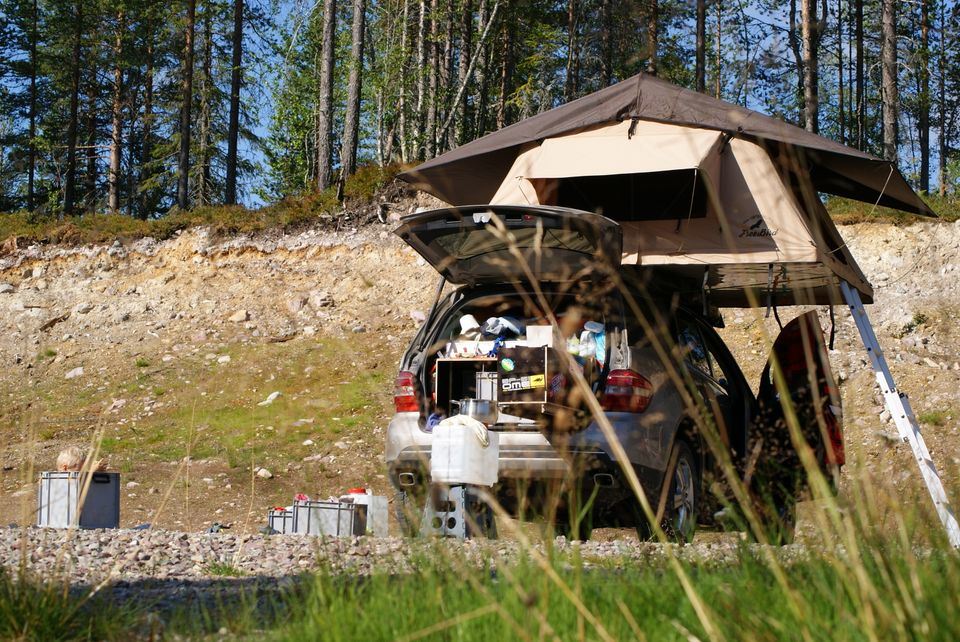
(73, 374)
(6, 288)
(263, 473)
(239, 316)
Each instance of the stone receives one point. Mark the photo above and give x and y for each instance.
(223, 359)
(239, 316)
(83, 308)
(307, 442)
(6, 288)
(73, 374)
(297, 303)
(320, 299)
(885, 416)
(263, 473)
(132, 484)
(270, 398)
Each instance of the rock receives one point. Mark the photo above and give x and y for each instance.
(309, 330)
(885, 416)
(297, 303)
(73, 374)
(132, 484)
(223, 359)
(270, 398)
(307, 442)
(888, 435)
(303, 422)
(342, 445)
(320, 299)
(116, 405)
(930, 362)
(263, 473)
(83, 308)
(239, 316)
(358, 329)
(6, 288)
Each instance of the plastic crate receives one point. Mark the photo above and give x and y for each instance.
(281, 519)
(59, 500)
(338, 519)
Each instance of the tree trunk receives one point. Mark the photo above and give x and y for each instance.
(404, 67)
(841, 119)
(325, 111)
(506, 68)
(717, 81)
(421, 78)
(433, 66)
(890, 95)
(572, 47)
(351, 124)
(204, 121)
(861, 106)
(145, 161)
(941, 89)
(924, 97)
(183, 165)
(462, 133)
(652, 28)
(233, 131)
(70, 187)
(811, 62)
(116, 121)
(482, 60)
(795, 47)
(606, 43)
(701, 53)
(32, 127)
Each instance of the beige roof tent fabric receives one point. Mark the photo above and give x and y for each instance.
(699, 186)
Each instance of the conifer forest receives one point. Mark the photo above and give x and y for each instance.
(140, 107)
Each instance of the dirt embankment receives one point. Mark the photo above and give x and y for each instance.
(169, 349)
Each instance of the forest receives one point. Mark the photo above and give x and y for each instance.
(140, 108)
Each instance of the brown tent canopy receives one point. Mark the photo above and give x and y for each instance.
(474, 172)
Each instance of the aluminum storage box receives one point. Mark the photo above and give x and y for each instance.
(59, 505)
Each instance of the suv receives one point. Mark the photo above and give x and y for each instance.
(544, 316)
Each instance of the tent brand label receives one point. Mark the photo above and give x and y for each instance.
(523, 383)
(756, 227)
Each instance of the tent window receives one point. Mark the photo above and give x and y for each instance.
(652, 196)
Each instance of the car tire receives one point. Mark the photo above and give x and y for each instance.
(683, 495)
(408, 513)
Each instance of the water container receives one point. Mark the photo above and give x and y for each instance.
(464, 452)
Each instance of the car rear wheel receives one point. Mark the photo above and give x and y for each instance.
(682, 496)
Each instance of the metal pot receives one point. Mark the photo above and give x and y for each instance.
(483, 410)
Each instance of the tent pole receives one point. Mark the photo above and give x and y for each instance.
(899, 407)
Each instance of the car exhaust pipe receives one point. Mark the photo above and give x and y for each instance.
(407, 479)
(604, 480)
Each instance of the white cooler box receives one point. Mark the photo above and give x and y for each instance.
(58, 500)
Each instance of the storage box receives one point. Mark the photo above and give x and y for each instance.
(59, 502)
(458, 457)
(376, 512)
(532, 382)
(281, 519)
(338, 519)
(464, 379)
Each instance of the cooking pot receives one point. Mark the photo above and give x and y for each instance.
(483, 410)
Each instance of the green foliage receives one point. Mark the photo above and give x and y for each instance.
(31, 609)
(934, 417)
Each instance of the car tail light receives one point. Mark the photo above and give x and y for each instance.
(405, 393)
(626, 391)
